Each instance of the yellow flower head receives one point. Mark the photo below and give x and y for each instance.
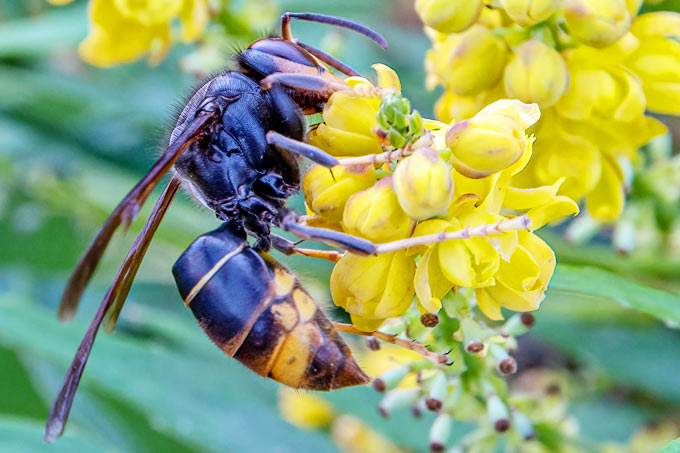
(468, 62)
(304, 409)
(597, 23)
(423, 184)
(376, 214)
(373, 288)
(493, 139)
(327, 190)
(536, 73)
(449, 16)
(122, 31)
(529, 12)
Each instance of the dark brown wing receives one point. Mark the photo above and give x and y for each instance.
(117, 291)
(124, 214)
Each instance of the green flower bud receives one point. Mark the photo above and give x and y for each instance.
(529, 12)
(423, 184)
(327, 190)
(598, 23)
(449, 16)
(396, 399)
(391, 378)
(376, 215)
(438, 391)
(536, 73)
(439, 432)
(498, 413)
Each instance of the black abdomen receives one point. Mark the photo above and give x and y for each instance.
(255, 310)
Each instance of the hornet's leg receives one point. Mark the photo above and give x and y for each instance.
(288, 247)
(361, 246)
(313, 84)
(311, 152)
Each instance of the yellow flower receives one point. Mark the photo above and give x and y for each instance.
(327, 190)
(373, 288)
(598, 23)
(656, 61)
(354, 436)
(452, 106)
(468, 62)
(423, 184)
(376, 214)
(529, 12)
(521, 282)
(350, 116)
(536, 73)
(600, 89)
(304, 409)
(449, 16)
(122, 31)
(469, 263)
(493, 139)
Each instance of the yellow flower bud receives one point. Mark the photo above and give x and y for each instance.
(449, 16)
(493, 139)
(327, 190)
(537, 73)
(598, 23)
(349, 125)
(373, 288)
(529, 12)
(423, 184)
(469, 62)
(376, 215)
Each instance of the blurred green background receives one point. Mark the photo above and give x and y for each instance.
(74, 139)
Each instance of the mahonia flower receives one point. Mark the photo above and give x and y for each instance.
(327, 191)
(122, 31)
(594, 79)
(452, 177)
(350, 122)
(304, 409)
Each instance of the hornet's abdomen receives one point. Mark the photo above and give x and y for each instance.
(256, 311)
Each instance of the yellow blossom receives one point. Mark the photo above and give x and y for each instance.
(423, 184)
(536, 73)
(468, 62)
(350, 116)
(449, 16)
(327, 190)
(373, 288)
(493, 139)
(529, 12)
(597, 23)
(122, 31)
(656, 61)
(376, 214)
(304, 409)
(354, 436)
(521, 282)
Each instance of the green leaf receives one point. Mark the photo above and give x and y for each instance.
(672, 447)
(205, 400)
(597, 282)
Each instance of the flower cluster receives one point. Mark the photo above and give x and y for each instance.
(122, 31)
(593, 66)
(443, 181)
